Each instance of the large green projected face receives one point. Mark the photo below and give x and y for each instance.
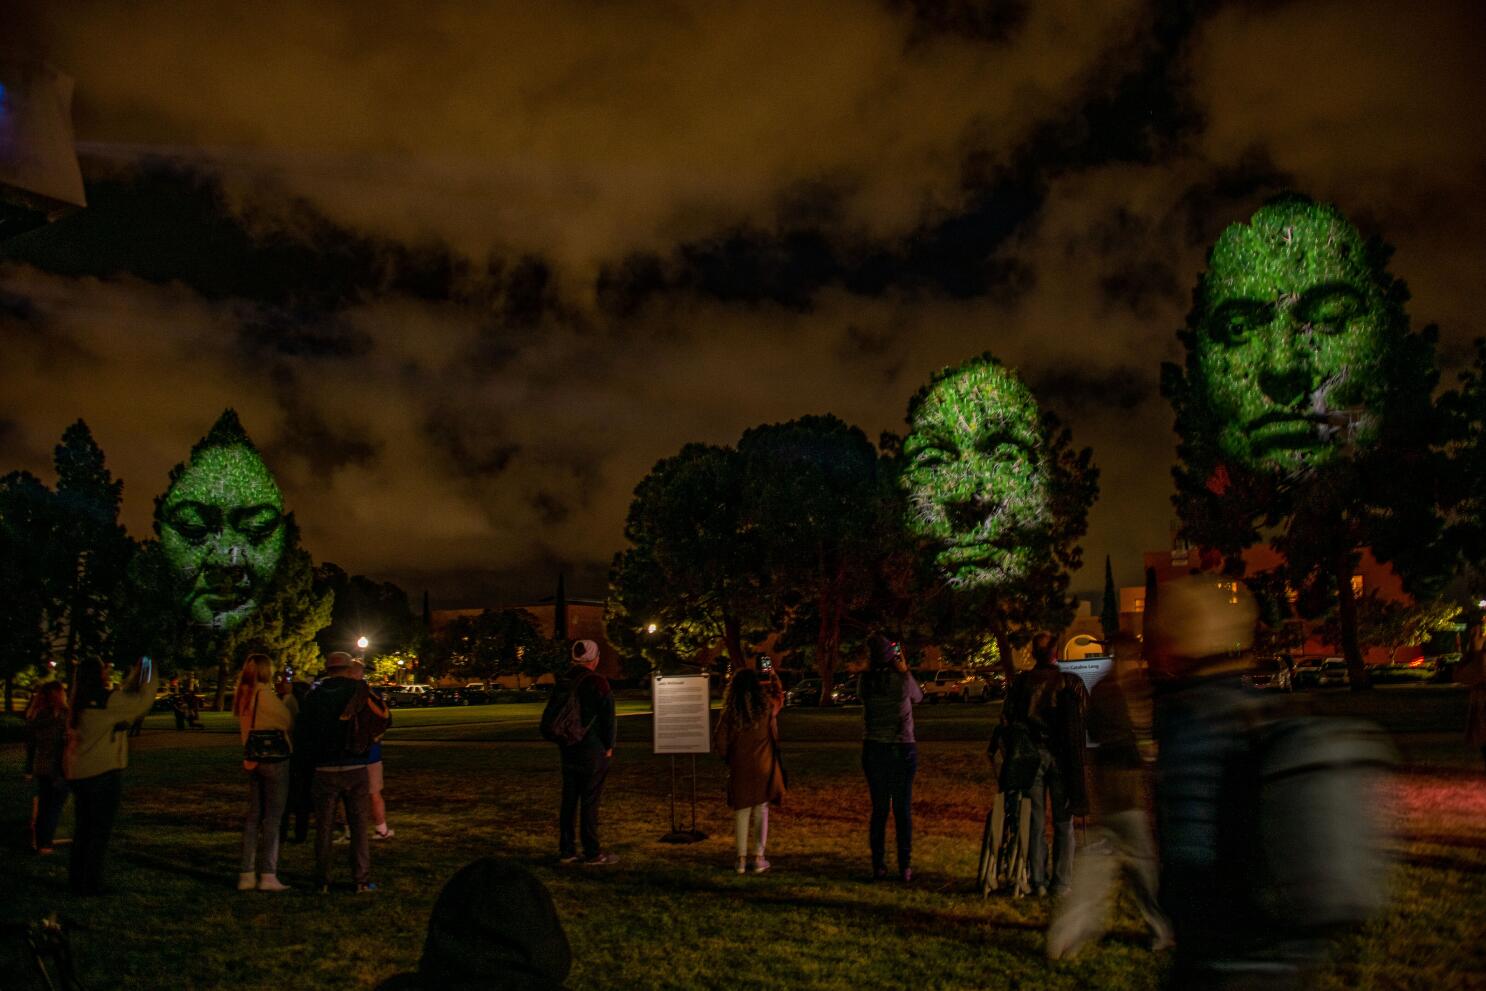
(1291, 339)
(222, 527)
(976, 474)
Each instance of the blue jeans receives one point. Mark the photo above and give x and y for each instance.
(890, 768)
(268, 791)
(1049, 786)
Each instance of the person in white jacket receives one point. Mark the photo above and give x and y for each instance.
(259, 709)
(97, 753)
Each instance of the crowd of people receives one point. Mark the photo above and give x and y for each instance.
(1192, 747)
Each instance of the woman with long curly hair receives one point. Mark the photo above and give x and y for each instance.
(747, 737)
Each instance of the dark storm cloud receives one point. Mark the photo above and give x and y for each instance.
(469, 271)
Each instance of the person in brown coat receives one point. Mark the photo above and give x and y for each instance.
(747, 737)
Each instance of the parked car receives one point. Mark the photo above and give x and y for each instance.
(846, 691)
(805, 692)
(1333, 673)
(1307, 674)
(1413, 673)
(954, 686)
(1270, 674)
(539, 692)
(408, 696)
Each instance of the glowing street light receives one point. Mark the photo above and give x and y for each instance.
(651, 628)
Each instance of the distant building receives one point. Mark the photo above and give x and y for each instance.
(1181, 560)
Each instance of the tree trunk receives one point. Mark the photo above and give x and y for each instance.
(732, 638)
(1346, 614)
(828, 643)
(9, 695)
(1003, 652)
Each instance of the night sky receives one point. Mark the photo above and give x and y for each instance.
(467, 274)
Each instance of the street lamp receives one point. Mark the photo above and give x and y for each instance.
(400, 663)
(651, 628)
(361, 644)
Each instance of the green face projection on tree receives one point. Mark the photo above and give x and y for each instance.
(976, 473)
(1290, 339)
(222, 525)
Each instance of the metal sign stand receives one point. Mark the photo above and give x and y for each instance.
(677, 834)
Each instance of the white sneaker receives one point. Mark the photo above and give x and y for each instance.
(760, 865)
(247, 881)
(386, 832)
(742, 865)
(271, 882)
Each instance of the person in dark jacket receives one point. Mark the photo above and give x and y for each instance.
(889, 751)
(493, 928)
(301, 772)
(340, 774)
(585, 764)
(1118, 723)
(1050, 707)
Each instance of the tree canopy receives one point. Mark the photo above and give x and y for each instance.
(1303, 399)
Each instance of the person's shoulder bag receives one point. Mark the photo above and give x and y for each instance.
(264, 746)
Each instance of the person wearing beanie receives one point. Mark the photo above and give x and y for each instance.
(493, 928)
(585, 760)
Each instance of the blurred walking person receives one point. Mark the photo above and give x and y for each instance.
(579, 718)
(747, 738)
(1122, 844)
(889, 751)
(97, 753)
(46, 743)
(267, 727)
(1269, 840)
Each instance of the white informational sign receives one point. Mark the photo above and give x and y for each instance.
(1089, 669)
(682, 708)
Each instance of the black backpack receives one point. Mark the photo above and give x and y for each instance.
(361, 724)
(562, 719)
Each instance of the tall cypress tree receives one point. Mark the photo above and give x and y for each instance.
(94, 549)
(1109, 613)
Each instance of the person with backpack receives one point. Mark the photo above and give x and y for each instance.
(1123, 845)
(1047, 707)
(579, 718)
(267, 728)
(339, 721)
(97, 753)
(1268, 837)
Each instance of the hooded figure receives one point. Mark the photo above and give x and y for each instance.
(493, 928)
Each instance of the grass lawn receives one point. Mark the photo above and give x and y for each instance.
(463, 783)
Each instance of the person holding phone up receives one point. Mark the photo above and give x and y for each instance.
(889, 751)
(97, 753)
(747, 738)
